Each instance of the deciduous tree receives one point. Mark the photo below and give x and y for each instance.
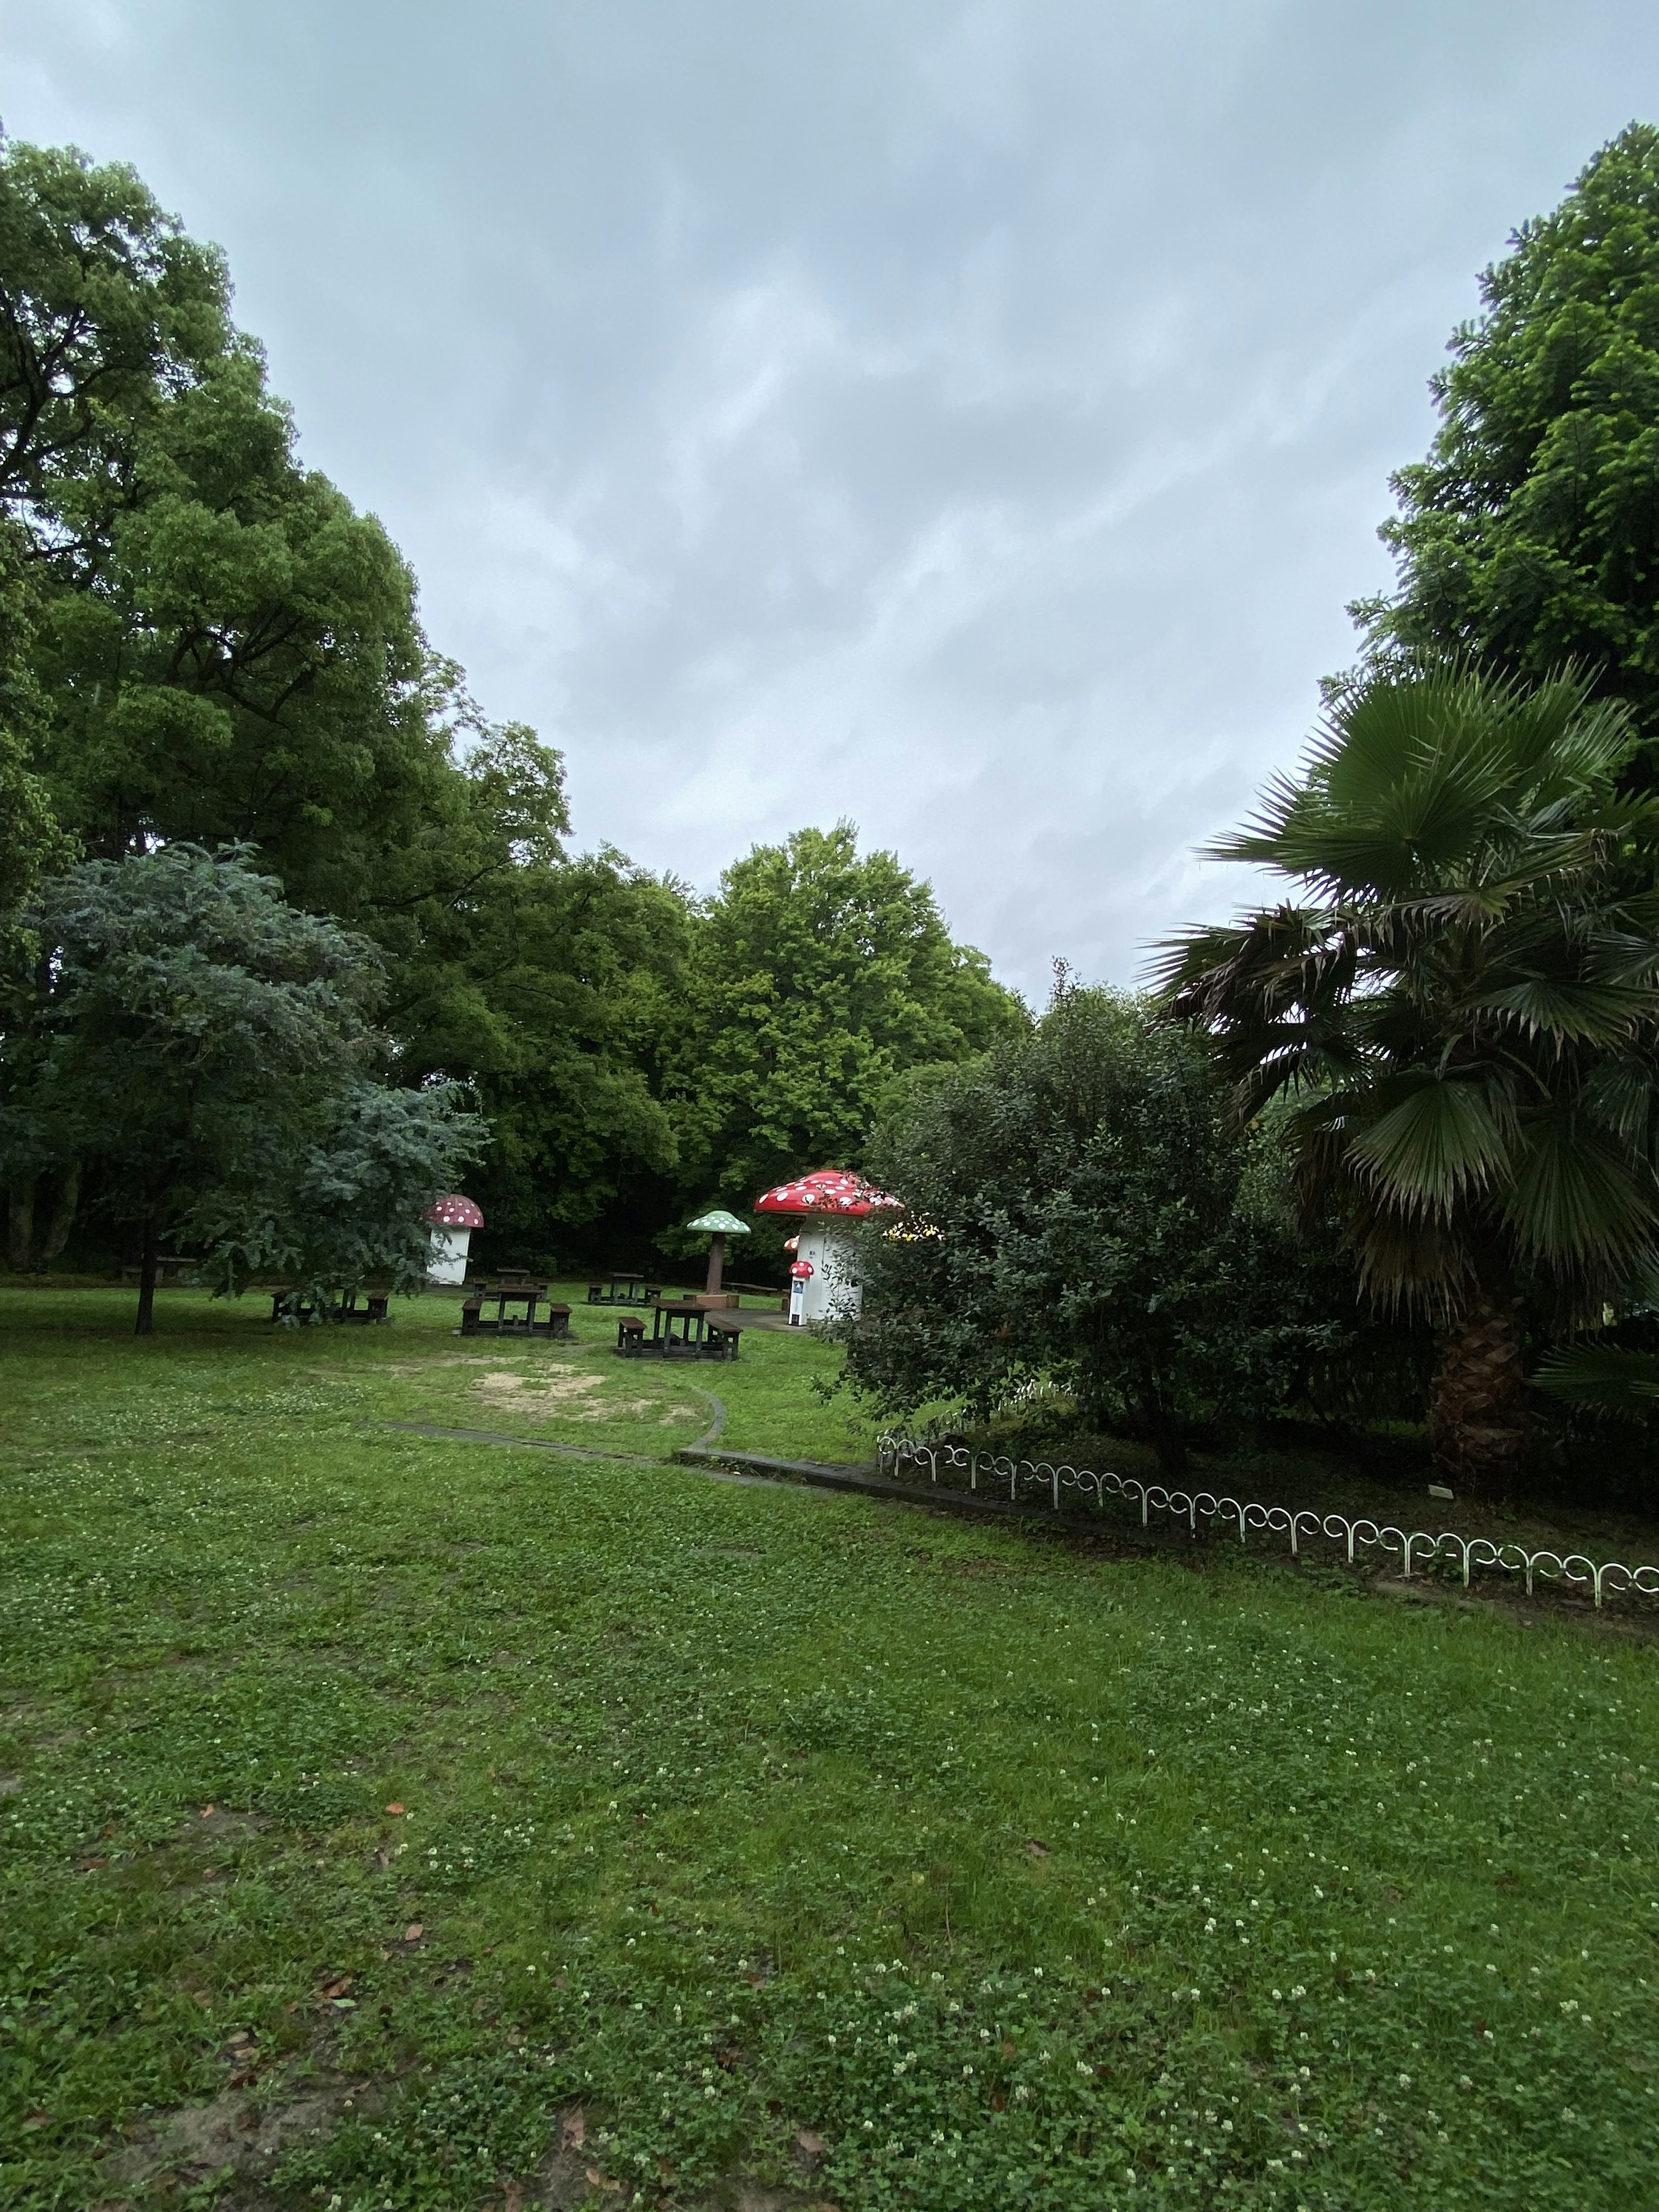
(1530, 535)
(209, 1051)
(816, 975)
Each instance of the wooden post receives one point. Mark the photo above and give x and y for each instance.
(716, 1262)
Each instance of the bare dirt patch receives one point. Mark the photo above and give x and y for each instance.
(234, 2132)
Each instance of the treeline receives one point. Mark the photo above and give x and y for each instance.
(204, 644)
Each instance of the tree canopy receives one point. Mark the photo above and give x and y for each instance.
(1529, 537)
(815, 977)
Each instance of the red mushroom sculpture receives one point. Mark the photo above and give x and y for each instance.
(824, 1281)
(450, 1222)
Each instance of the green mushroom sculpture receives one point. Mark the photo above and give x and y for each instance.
(720, 1226)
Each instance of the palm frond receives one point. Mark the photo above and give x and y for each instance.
(1441, 1141)
(1600, 1013)
(1577, 1201)
(1602, 1374)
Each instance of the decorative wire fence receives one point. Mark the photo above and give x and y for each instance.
(902, 1458)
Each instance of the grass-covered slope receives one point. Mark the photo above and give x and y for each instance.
(395, 1822)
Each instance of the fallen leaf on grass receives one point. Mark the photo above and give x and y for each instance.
(394, 1808)
(1037, 1851)
(414, 1932)
(512, 2196)
(38, 2120)
(809, 2144)
(572, 2130)
(338, 1987)
(596, 2180)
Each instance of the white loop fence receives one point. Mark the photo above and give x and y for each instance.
(1415, 1550)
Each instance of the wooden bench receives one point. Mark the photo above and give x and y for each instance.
(630, 1336)
(724, 1338)
(171, 1267)
(760, 1290)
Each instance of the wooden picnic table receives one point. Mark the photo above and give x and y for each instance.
(706, 1331)
(691, 1314)
(374, 1308)
(629, 1286)
(524, 1293)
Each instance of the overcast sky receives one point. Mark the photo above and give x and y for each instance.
(970, 419)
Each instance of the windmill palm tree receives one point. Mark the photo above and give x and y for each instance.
(1464, 1014)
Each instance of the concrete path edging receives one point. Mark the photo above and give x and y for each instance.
(860, 1478)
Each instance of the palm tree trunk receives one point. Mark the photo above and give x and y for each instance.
(1478, 1420)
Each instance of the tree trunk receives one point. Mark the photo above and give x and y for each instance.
(20, 1225)
(1164, 1432)
(1478, 1420)
(63, 1212)
(145, 1324)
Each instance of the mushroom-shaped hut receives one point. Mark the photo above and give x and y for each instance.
(450, 1222)
(832, 1202)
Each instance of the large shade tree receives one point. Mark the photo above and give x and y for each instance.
(1463, 1008)
(209, 1053)
(1530, 534)
(816, 975)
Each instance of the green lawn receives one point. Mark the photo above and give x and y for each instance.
(381, 1813)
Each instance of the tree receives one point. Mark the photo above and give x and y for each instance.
(1079, 1207)
(1463, 1014)
(583, 964)
(106, 312)
(814, 978)
(208, 1050)
(220, 649)
(205, 643)
(1530, 535)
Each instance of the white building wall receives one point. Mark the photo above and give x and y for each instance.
(833, 1289)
